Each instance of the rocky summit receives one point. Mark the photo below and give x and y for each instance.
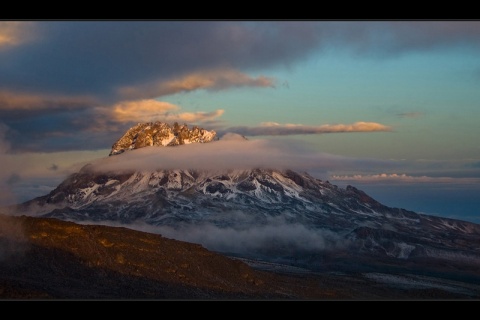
(161, 134)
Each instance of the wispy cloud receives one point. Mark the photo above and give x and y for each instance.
(410, 114)
(218, 79)
(24, 101)
(276, 129)
(402, 177)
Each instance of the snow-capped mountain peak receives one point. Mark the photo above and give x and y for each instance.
(161, 134)
(287, 206)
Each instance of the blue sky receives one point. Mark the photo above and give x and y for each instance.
(396, 101)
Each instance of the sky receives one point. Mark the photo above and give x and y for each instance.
(391, 107)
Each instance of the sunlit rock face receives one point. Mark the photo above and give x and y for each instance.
(161, 134)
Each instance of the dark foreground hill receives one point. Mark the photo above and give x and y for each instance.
(46, 258)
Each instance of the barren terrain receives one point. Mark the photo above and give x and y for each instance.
(45, 259)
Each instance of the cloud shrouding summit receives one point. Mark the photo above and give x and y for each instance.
(230, 152)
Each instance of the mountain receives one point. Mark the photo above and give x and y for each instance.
(262, 214)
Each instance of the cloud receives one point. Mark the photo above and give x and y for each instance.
(275, 237)
(137, 111)
(153, 110)
(26, 101)
(395, 177)
(218, 79)
(387, 39)
(230, 152)
(103, 58)
(410, 114)
(275, 129)
(13, 33)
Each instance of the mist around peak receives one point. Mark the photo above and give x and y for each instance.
(231, 151)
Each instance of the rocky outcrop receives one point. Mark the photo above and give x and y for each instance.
(161, 134)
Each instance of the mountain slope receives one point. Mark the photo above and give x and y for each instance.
(44, 258)
(49, 258)
(240, 201)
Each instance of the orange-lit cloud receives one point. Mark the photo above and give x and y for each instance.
(153, 110)
(192, 117)
(141, 110)
(13, 33)
(217, 79)
(273, 128)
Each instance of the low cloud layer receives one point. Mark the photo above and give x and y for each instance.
(276, 236)
(284, 238)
